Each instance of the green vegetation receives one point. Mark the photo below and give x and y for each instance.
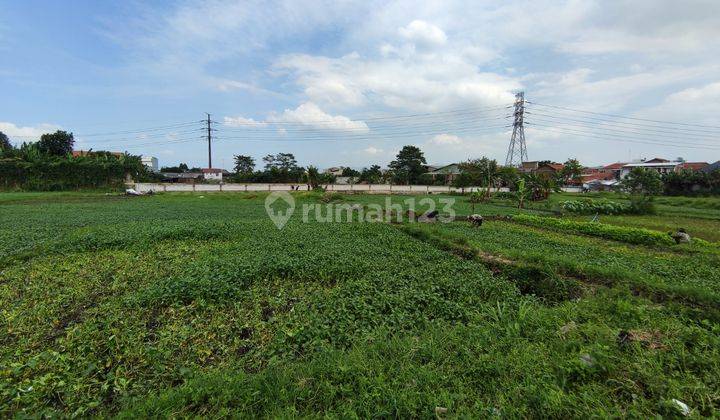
(189, 305)
(589, 206)
(624, 234)
(48, 165)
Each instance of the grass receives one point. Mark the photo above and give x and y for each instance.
(196, 305)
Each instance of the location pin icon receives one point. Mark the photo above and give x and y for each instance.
(279, 218)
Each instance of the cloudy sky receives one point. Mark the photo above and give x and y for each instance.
(351, 82)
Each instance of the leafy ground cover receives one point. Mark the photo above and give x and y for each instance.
(677, 272)
(196, 305)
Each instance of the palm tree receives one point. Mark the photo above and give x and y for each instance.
(313, 177)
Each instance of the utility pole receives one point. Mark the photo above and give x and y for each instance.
(517, 151)
(209, 139)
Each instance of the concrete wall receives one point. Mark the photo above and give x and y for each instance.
(367, 188)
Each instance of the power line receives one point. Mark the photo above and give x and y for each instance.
(624, 132)
(380, 131)
(625, 117)
(368, 136)
(611, 137)
(361, 119)
(614, 124)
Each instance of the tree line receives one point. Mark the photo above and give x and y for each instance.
(49, 165)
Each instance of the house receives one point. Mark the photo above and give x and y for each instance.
(711, 168)
(335, 170)
(150, 162)
(78, 153)
(530, 166)
(214, 174)
(541, 168)
(599, 181)
(600, 185)
(449, 172)
(182, 177)
(549, 169)
(614, 168)
(663, 166)
(691, 166)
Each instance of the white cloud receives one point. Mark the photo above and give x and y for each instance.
(243, 122)
(28, 133)
(311, 115)
(423, 34)
(372, 150)
(415, 82)
(447, 139)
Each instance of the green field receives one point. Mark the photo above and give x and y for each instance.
(197, 305)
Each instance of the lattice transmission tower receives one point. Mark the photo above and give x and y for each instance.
(517, 151)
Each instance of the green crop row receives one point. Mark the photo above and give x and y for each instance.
(588, 206)
(677, 276)
(630, 235)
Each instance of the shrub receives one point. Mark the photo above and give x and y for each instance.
(588, 206)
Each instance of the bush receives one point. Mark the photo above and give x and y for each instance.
(641, 205)
(630, 235)
(588, 206)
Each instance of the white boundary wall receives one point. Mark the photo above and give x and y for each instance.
(372, 189)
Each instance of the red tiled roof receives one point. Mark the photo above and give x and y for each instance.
(600, 176)
(616, 165)
(555, 166)
(76, 153)
(693, 166)
(211, 170)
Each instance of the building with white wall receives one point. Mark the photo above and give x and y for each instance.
(150, 162)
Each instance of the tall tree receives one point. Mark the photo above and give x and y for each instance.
(641, 181)
(408, 165)
(372, 175)
(59, 143)
(483, 172)
(5, 144)
(244, 164)
(347, 171)
(571, 171)
(281, 161)
(642, 185)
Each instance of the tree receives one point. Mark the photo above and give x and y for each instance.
(522, 193)
(507, 176)
(372, 175)
(483, 172)
(244, 164)
(59, 143)
(572, 171)
(350, 172)
(313, 177)
(408, 165)
(641, 181)
(175, 169)
(281, 161)
(642, 184)
(5, 144)
(462, 181)
(540, 186)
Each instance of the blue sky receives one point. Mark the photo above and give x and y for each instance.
(350, 83)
